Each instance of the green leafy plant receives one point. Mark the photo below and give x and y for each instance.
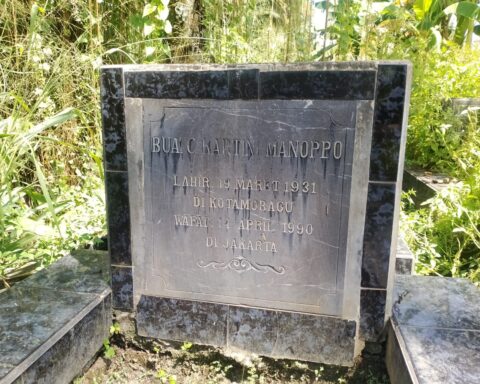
(165, 377)
(108, 350)
(115, 329)
(186, 346)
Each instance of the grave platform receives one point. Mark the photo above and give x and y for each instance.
(434, 333)
(54, 323)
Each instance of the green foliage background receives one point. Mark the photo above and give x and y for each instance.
(51, 190)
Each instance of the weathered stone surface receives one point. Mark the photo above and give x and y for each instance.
(81, 271)
(27, 322)
(5, 368)
(390, 110)
(443, 355)
(400, 369)
(122, 287)
(113, 118)
(118, 208)
(53, 323)
(253, 329)
(315, 338)
(267, 332)
(372, 313)
(69, 355)
(172, 319)
(378, 235)
(431, 301)
(435, 331)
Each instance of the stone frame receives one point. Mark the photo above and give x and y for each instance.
(334, 340)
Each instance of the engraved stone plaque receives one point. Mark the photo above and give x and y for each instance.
(247, 202)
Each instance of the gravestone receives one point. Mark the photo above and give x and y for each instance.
(254, 207)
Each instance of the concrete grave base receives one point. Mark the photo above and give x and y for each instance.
(204, 244)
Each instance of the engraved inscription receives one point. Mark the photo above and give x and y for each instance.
(247, 202)
(240, 265)
(238, 147)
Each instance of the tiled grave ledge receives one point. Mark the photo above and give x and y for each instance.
(53, 323)
(434, 333)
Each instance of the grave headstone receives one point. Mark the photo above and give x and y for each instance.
(254, 207)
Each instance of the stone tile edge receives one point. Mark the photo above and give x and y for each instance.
(21, 368)
(397, 333)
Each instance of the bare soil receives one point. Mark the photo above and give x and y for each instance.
(141, 360)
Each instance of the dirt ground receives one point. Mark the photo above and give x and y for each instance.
(140, 360)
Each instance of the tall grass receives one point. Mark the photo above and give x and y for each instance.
(51, 190)
(49, 140)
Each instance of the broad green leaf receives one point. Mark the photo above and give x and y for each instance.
(148, 9)
(148, 29)
(421, 7)
(464, 8)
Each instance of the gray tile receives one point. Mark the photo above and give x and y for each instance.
(372, 313)
(82, 271)
(315, 338)
(172, 319)
(252, 329)
(378, 235)
(387, 129)
(432, 301)
(31, 315)
(403, 265)
(443, 355)
(118, 217)
(122, 287)
(113, 119)
(67, 357)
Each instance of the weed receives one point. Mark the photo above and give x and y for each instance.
(165, 377)
(115, 329)
(109, 351)
(186, 346)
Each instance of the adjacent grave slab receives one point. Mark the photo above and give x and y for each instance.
(259, 195)
(53, 323)
(435, 331)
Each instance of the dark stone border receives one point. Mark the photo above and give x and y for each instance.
(251, 84)
(274, 333)
(388, 142)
